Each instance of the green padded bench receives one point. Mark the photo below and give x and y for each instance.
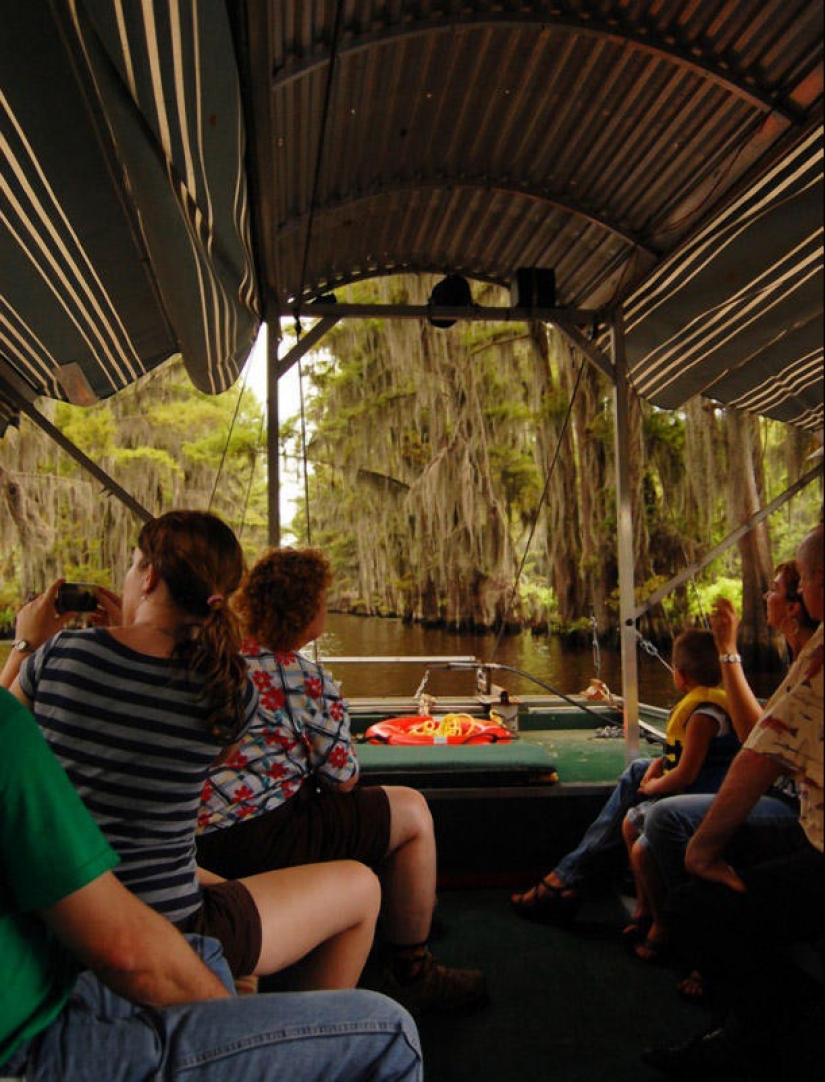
(440, 766)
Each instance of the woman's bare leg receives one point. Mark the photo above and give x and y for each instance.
(408, 871)
(324, 914)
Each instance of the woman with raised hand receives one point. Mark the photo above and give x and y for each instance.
(139, 710)
(773, 819)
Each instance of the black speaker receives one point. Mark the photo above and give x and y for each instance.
(451, 292)
(533, 287)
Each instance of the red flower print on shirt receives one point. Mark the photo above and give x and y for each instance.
(262, 680)
(276, 771)
(237, 760)
(243, 792)
(246, 811)
(273, 699)
(314, 687)
(283, 657)
(281, 740)
(250, 646)
(336, 710)
(338, 757)
(207, 791)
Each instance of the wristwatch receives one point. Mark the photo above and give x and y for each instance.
(22, 646)
(731, 659)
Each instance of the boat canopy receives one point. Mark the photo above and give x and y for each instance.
(175, 173)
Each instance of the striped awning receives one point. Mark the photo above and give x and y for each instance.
(604, 149)
(125, 224)
(737, 313)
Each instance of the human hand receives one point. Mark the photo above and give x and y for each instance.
(38, 619)
(724, 623)
(655, 770)
(109, 608)
(704, 864)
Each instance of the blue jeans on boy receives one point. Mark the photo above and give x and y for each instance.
(311, 1036)
(602, 845)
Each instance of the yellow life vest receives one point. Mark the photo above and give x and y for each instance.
(681, 714)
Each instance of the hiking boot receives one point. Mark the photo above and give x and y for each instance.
(437, 988)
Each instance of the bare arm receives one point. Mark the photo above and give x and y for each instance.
(134, 950)
(36, 622)
(700, 732)
(750, 776)
(743, 706)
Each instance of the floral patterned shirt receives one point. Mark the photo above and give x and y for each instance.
(301, 730)
(790, 731)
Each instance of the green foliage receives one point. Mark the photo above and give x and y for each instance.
(703, 595)
(164, 442)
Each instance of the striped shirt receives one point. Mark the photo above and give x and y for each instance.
(130, 731)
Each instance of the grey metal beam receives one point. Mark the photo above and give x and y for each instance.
(311, 338)
(22, 398)
(588, 348)
(624, 519)
(475, 313)
(273, 485)
(731, 539)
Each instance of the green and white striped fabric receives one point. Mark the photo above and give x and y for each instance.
(125, 222)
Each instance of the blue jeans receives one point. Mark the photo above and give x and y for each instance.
(323, 1036)
(602, 845)
(771, 830)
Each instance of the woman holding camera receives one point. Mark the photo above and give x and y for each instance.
(137, 712)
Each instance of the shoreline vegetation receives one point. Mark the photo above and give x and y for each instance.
(430, 484)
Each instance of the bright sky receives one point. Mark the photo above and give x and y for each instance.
(289, 404)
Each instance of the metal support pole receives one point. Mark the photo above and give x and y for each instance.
(273, 340)
(22, 399)
(624, 519)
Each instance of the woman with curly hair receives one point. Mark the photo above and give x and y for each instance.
(288, 795)
(137, 712)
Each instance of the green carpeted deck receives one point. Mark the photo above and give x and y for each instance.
(564, 1006)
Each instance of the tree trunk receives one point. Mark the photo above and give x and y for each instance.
(745, 499)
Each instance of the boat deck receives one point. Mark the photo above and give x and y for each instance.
(504, 812)
(564, 1005)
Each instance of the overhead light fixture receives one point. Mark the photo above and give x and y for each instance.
(533, 287)
(451, 292)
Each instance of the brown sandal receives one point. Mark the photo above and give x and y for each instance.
(546, 903)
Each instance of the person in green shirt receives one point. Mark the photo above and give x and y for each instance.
(92, 976)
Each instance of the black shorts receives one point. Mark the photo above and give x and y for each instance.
(229, 915)
(313, 827)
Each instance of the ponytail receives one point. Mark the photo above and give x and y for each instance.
(201, 562)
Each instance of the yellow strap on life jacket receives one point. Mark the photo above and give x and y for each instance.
(681, 714)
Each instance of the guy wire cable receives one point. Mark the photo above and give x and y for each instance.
(251, 477)
(319, 157)
(539, 506)
(228, 437)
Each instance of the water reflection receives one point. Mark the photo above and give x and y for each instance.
(545, 657)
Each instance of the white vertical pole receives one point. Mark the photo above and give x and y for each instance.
(624, 519)
(273, 340)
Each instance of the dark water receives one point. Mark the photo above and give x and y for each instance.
(544, 656)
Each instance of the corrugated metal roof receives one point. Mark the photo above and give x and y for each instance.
(480, 136)
(626, 145)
